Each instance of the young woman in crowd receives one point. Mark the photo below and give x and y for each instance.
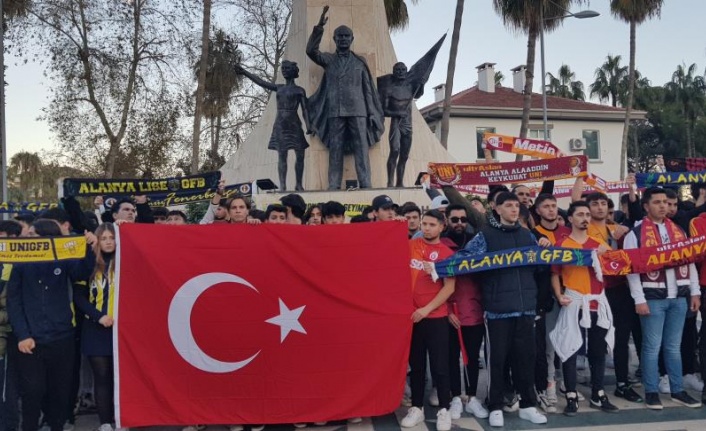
(94, 297)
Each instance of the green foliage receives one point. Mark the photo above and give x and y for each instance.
(195, 211)
(565, 85)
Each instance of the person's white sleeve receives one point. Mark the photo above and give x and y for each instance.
(694, 280)
(634, 279)
(210, 214)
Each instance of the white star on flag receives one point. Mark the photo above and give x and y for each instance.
(287, 320)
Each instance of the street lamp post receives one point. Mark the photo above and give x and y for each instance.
(580, 15)
(3, 146)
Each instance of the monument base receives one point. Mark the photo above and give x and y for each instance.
(354, 200)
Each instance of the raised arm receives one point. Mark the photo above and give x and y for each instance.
(312, 46)
(256, 79)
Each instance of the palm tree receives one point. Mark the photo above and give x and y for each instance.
(450, 72)
(528, 16)
(397, 16)
(221, 80)
(688, 90)
(499, 78)
(564, 84)
(633, 12)
(608, 80)
(25, 172)
(200, 86)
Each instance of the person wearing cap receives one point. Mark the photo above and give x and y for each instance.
(333, 213)
(296, 207)
(439, 203)
(384, 208)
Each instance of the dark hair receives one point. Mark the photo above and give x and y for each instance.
(275, 208)
(525, 214)
(543, 197)
(456, 207)
(258, 214)
(563, 215)
(437, 215)
(611, 204)
(333, 208)
(671, 193)
(596, 196)
(647, 194)
(686, 206)
(116, 206)
(362, 218)
(223, 203)
(506, 196)
(245, 199)
(160, 212)
(307, 214)
(296, 203)
(178, 213)
(577, 204)
(695, 188)
(494, 190)
(11, 228)
(411, 208)
(91, 220)
(57, 214)
(26, 217)
(367, 210)
(46, 227)
(625, 199)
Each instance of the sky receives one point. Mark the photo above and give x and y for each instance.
(662, 44)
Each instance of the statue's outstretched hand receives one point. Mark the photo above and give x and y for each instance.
(323, 20)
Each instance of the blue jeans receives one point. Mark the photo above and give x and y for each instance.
(662, 327)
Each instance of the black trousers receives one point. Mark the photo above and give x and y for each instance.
(541, 367)
(626, 322)
(472, 340)
(702, 335)
(511, 338)
(597, 349)
(430, 335)
(102, 367)
(47, 372)
(9, 390)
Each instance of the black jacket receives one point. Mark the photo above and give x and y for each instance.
(39, 299)
(508, 290)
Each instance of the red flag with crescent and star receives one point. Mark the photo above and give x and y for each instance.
(266, 324)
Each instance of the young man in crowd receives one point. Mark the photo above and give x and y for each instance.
(509, 299)
(9, 390)
(574, 287)
(547, 211)
(458, 225)
(430, 333)
(160, 214)
(276, 214)
(660, 301)
(238, 209)
(25, 220)
(296, 207)
(413, 215)
(384, 208)
(124, 210)
(217, 210)
(176, 217)
(697, 228)
(333, 212)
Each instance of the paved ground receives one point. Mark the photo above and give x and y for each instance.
(632, 417)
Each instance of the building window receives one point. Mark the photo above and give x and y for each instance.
(591, 139)
(539, 134)
(480, 153)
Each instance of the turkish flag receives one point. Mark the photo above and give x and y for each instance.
(243, 324)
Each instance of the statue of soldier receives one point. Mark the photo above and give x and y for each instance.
(397, 91)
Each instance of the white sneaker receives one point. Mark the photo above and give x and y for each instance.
(300, 425)
(414, 417)
(257, 427)
(690, 381)
(544, 403)
(434, 398)
(551, 392)
(664, 385)
(496, 418)
(531, 414)
(105, 427)
(235, 428)
(475, 408)
(354, 421)
(456, 408)
(443, 420)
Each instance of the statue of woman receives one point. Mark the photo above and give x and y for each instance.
(287, 131)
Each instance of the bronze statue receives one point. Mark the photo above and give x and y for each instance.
(397, 92)
(345, 109)
(287, 131)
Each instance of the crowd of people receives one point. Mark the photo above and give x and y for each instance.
(537, 329)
